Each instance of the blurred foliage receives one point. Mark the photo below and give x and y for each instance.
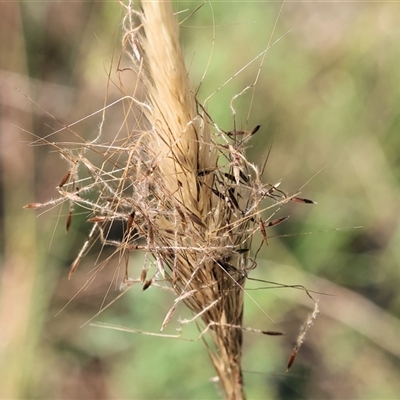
(327, 98)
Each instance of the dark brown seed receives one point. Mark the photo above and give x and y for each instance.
(130, 221)
(291, 359)
(65, 179)
(196, 219)
(252, 132)
(231, 192)
(230, 176)
(226, 266)
(143, 275)
(219, 194)
(203, 172)
(97, 219)
(277, 221)
(301, 200)
(68, 222)
(243, 177)
(147, 284)
(263, 231)
(255, 129)
(241, 251)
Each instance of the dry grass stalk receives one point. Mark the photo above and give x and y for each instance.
(204, 200)
(196, 231)
(181, 184)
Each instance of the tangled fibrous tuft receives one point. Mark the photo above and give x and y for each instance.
(184, 189)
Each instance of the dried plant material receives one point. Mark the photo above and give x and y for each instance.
(273, 333)
(97, 219)
(205, 195)
(143, 275)
(244, 133)
(68, 221)
(147, 284)
(301, 200)
(263, 230)
(65, 179)
(130, 221)
(276, 221)
(74, 266)
(182, 186)
(302, 334)
(168, 316)
(35, 205)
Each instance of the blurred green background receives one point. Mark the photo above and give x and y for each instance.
(328, 97)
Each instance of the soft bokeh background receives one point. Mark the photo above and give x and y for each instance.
(328, 97)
